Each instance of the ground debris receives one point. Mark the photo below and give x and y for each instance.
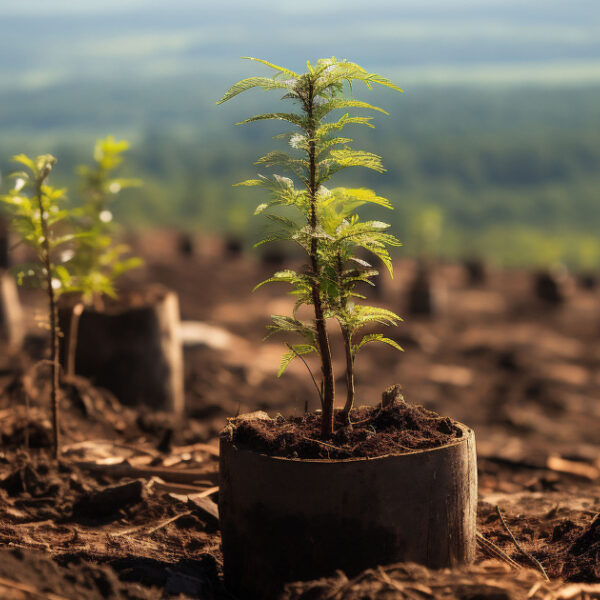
(490, 580)
(583, 557)
(110, 500)
(29, 574)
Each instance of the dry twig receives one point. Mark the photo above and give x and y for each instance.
(531, 558)
(496, 551)
(153, 529)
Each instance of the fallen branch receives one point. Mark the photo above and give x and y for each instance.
(158, 485)
(153, 529)
(124, 469)
(195, 496)
(531, 558)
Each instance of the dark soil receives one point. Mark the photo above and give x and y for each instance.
(583, 556)
(375, 431)
(523, 375)
(35, 572)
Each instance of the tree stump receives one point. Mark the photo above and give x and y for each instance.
(475, 271)
(233, 247)
(550, 288)
(185, 245)
(425, 298)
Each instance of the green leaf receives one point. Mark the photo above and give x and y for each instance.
(297, 166)
(265, 83)
(297, 350)
(276, 67)
(249, 183)
(377, 337)
(326, 128)
(290, 117)
(25, 160)
(337, 103)
(356, 158)
(287, 276)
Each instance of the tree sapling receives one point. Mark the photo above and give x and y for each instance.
(38, 216)
(98, 261)
(323, 221)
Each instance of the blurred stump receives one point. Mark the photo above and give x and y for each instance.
(12, 327)
(588, 281)
(425, 296)
(233, 247)
(551, 287)
(476, 272)
(185, 245)
(274, 256)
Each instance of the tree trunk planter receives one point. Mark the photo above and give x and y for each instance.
(286, 520)
(131, 348)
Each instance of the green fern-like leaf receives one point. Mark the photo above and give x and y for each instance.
(297, 350)
(283, 70)
(337, 103)
(377, 337)
(265, 83)
(289, 117)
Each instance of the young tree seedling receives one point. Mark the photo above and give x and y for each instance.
(38, 216)
(97, 261)
(323, 221)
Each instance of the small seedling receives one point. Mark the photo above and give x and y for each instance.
(38, 216)
(323, 221)
(97, 261)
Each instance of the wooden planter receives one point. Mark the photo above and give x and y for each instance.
(133, 352)
(286, 520)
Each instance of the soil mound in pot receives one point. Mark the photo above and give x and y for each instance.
(375, 431)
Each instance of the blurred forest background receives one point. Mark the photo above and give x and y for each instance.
(496, 138)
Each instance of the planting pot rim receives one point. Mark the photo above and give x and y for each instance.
(468, 434)
(156, 293)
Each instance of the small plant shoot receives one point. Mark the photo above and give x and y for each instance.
(98, 261)
(323, 220)
(39, 217)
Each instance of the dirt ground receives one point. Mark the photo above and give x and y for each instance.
(129, 511)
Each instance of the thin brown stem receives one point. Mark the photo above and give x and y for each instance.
(53, 314)
(328, 395)
(350, 392)
(347, 335)
(73, 332)
(319, 392)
